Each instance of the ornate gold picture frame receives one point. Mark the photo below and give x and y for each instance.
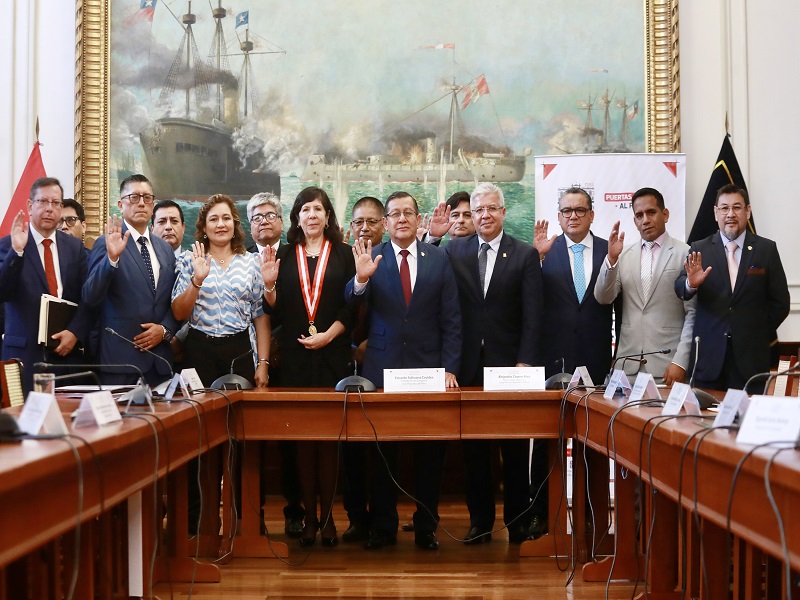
(93, 66)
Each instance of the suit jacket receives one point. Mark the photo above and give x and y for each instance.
(508, 320)
(427, 333)
(579, 333)
(750, 314)
(661, 321)
(126, 301)
(22, 283)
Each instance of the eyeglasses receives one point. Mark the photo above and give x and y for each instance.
(70, 221)
(486, 209)
(579, 211)
(52, 203)
(136, 198)
(258, 219)
(359, 223)
(225, 219)
(408, 214)
(725, 209)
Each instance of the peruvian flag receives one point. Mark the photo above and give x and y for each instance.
(33, 171)
(445, 46)
(145, 12)
(474, 90)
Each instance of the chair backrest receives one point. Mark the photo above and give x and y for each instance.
(784, 385)
(11, 380)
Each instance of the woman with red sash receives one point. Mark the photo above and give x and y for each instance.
(305, 283)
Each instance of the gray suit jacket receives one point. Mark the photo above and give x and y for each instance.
(658, 322)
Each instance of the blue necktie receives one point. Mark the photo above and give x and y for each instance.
(147, 262)
(579, 274)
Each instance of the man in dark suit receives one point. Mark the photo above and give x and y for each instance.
(414, 322)
(742, 296)
(265, 214)
(577, 328)
(500, 289)
(168, 224)
(133, 289)
(38, 259)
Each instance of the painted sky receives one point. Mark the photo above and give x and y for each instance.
(353, 67)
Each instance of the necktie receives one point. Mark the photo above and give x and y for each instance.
(405, 276)
(49, 268)
(482, 260)
(579, 275)
(647, 269)
(146, 259)
(733, 267)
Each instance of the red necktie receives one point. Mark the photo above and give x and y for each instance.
(405, 276)
(49, 268)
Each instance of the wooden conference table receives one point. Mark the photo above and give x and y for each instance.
(322, 414)
(692, 491)
(39, 492)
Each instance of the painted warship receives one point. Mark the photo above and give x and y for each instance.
(188, 159)
(426, 161)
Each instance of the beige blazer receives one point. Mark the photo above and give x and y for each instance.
(661, 321)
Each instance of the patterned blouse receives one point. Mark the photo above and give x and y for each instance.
(229, 299)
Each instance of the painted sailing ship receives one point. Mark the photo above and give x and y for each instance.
(427, 161)
(597, 139)
(189, 159)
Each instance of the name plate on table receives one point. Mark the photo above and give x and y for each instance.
(735, 402)
(619, 380)
(581, 376)
(644, 385)
(413, 380)
(683, 397)
(771, 419)
(97, 408)
(41, 415)
(512, 379)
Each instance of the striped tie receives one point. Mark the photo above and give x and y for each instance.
(647, 269)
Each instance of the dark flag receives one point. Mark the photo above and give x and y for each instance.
(726, 170)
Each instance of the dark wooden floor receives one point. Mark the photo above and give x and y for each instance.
(492, 570)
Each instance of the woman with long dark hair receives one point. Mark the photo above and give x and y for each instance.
(306, 285)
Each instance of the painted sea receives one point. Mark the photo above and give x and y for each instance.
(519, 199)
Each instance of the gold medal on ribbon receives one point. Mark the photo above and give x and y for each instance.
(311, 291)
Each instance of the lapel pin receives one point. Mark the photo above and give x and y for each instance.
(749, 247)
(422, 253)
(504, 255)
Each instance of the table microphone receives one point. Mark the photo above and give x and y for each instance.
(637, 357)
(138, 396)
(232, 381)
(138, 347)
(704, 399)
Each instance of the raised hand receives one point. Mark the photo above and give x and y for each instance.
(270, 265)
(540, 241)
(695, 275)
(347, 237)
(19, 232)
(616, 241)
(365, 264)
(201, 263)
(115, 241)
(423, 226)
(440, 222)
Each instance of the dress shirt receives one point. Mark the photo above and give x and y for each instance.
(738, 254)
(38, 237)
(587, 256)
(491, 258)
(153, 258)
(358, 287)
